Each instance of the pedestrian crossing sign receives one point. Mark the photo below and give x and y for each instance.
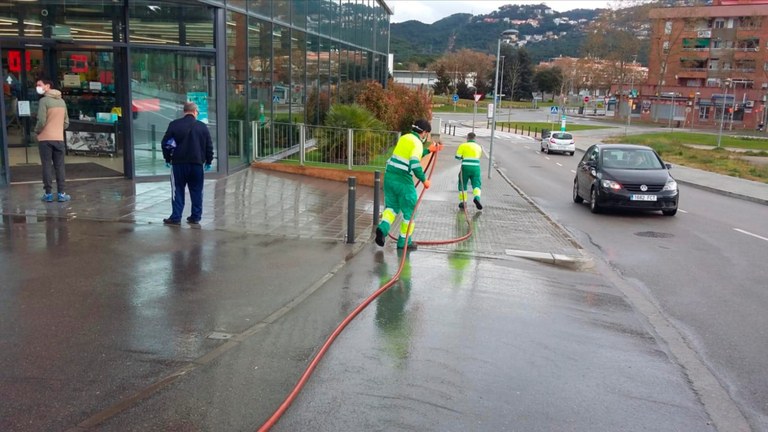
(553, 110)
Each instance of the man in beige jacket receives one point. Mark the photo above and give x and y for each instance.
(52, 119)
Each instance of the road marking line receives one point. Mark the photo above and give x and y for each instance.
(546, 157)
(682, 211)
(573, 171)
(559, 164)
(751, 234)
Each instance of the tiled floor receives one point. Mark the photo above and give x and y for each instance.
(259, 202)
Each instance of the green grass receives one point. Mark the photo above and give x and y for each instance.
(740, 142)
(445, 104)
(675, 148)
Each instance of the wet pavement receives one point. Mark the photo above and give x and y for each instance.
(111, 321)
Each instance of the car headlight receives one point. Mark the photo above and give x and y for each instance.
(610, 184)
(671, 185)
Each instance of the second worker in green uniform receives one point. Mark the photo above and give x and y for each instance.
(469, 154)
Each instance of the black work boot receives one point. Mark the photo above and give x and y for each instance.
(461, 206)
(379, 237)
(477, 204)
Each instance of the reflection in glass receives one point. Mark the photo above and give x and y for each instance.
(237, 104)
(161, 81)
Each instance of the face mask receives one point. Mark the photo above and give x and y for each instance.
(40, 90)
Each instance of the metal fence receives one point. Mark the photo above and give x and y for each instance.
(322, 145)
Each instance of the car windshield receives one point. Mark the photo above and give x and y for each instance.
(562, 136)
(630, 159)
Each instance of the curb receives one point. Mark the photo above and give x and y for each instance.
(568, 261)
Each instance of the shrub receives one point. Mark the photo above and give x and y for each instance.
(332, 143)
(397, 105)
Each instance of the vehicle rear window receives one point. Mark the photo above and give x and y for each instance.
(563, 136)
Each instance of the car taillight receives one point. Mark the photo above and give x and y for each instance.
(552, 141)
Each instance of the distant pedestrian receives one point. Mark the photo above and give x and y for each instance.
(52, 120)
(469, 154)
(188, 150)
(399, 190)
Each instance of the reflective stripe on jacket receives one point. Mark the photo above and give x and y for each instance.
(406, 158)
(469, 153)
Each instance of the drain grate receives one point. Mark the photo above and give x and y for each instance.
(654, 234)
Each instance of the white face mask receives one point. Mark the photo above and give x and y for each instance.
(40, 90)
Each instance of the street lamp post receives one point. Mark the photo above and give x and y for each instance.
(501, 81)
(631, 93)
(727, 84)
(694, 110)
(493, 112)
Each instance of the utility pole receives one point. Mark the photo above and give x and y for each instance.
(722, 114)
(631, 94)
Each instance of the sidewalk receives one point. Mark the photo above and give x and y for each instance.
(138, 326)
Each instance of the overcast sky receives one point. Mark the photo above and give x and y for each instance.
(429, 11)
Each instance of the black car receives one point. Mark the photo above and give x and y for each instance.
(625, 176)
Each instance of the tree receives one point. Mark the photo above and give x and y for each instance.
(549, 80)
(461, 67)
(613, 38)
(515, 73)
(443, 83)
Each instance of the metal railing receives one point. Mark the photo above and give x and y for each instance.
(322, 145)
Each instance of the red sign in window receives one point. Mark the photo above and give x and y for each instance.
(78, 63)
(14, 61)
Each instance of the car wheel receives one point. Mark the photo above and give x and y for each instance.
(670, 212)
(593, 205)
(570, 154)
(546, 150)
(576, 197)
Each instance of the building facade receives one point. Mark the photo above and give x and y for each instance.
(125, 68)
(708, 65)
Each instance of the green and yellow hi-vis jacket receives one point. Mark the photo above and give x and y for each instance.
(469, 153)
(406, 158)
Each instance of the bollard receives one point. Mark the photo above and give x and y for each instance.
(376, 198)
(351, 181)
(154, 143)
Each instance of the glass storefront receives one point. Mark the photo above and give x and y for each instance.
(125, 68)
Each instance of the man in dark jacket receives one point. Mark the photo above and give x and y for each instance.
(187, 149)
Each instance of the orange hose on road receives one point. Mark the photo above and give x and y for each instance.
(324, 348)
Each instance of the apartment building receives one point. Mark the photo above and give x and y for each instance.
(707, 65)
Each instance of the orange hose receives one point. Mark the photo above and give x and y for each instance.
(324, 348)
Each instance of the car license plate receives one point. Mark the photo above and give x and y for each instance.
(643, 197)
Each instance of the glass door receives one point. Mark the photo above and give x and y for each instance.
(21, 67)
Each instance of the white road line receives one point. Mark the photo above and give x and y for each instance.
(750, 234)
(559, 164)
(546, 157)
(573, 171)
(682, 211)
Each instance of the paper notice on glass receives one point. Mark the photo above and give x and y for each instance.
(94, 85)
(71, 80)
(23, 108)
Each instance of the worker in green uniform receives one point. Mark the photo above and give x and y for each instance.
(399, 189)
(469, 154)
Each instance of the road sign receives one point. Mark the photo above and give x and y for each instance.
(455, 98)
(553, 110)
(586, 99)
(477, 97)
(275, 99)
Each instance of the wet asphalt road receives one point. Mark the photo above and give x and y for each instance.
(105, 326)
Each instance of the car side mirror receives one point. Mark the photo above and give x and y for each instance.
(668, 165)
